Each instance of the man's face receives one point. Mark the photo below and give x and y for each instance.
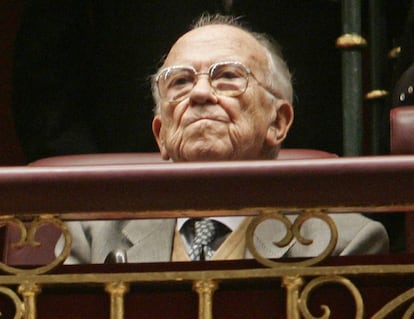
(206, 126)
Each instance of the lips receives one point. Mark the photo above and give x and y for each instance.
(193, 119)
(190, 119)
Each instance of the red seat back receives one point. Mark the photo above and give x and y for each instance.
(402, 130)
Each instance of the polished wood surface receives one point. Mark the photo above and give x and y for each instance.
(156, 189)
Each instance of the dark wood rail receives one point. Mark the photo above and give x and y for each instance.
(365, 183)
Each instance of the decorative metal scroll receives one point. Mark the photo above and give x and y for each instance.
(293, 231)
(395, 303)
(27, 237)
(204, 283)
(321, 281)
(18, 304)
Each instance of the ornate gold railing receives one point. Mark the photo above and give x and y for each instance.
(295, 279)
(264, 190)
(299, 281)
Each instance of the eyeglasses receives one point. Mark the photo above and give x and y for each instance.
(229, 78)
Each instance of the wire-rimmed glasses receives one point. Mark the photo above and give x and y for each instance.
(229, 78)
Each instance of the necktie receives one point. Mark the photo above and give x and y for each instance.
(204, 234)
(117, 256)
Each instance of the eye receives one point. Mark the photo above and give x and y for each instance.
(180, 78)
(228, 72)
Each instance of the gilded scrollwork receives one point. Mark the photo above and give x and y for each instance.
(395, 303)
(292, 232)
(18, 304)
(327, 280)
(27, 238)
(409, 313)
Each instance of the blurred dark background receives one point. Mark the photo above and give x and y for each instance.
(77, 70)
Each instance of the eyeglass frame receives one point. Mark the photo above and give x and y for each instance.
(208, 73)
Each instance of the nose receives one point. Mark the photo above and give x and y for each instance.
(203, 92)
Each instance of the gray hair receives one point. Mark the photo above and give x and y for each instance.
(279, 78)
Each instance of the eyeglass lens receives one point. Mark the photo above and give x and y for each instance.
(228, 79)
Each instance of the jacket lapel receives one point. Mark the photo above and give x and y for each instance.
(106, 237)
(151, 239)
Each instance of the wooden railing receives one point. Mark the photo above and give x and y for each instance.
(351, 287)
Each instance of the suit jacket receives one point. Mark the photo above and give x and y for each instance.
(151, 240)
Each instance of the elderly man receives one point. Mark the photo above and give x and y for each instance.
(222, 93)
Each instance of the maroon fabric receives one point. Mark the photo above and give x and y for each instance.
(100, 159)
(402, 130)
(154, 158)
(47, 236)
(402, 142)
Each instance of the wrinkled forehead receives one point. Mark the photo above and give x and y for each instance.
(214, 43)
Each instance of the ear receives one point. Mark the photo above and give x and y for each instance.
(282, 121)
(159, 137)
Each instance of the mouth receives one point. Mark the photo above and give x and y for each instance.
(207, 118)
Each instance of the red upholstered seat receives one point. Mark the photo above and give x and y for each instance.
(153, 158)
(402, 142)
(402, 130)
